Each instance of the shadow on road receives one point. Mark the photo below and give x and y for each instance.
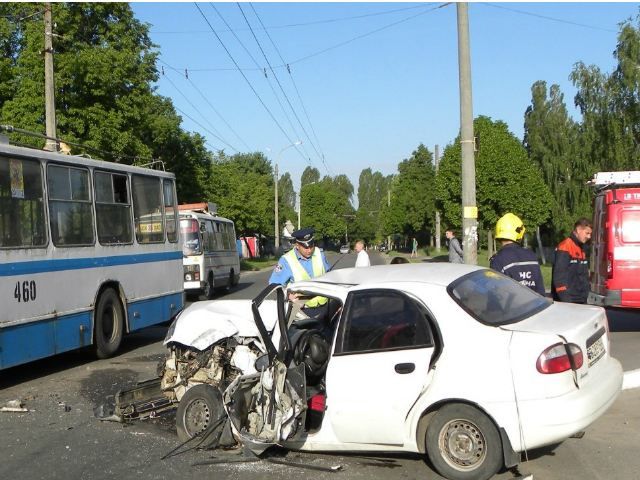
(623, 319)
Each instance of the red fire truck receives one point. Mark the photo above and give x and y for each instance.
(615, 242)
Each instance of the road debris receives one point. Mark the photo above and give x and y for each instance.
(14, 406)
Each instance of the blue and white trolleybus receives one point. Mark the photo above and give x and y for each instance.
(89, 250)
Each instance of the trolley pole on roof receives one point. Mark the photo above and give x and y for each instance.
(469, 208)
(49, 94)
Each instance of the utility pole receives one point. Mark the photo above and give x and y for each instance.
(469, 208)
(437, 162)
(49, 92)
(277, 226)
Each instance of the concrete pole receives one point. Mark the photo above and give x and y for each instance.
(469, 208)
(277, 226)
(437, 162)
(49, 91)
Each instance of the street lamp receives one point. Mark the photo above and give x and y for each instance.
(277, 226)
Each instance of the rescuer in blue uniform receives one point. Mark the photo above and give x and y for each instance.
(303, 262)
(512, 259)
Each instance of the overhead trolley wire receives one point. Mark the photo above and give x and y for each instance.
(273, 90)
(201, 114)
(304, 24)
(546, 17)
(247, 80)
(278, 82)
(366, 34)
(324, 50)
(200, 125)
(304, 109)
(185, 74)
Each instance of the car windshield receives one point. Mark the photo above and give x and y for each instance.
(495, 299)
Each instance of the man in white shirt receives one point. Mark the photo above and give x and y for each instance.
(363, 256)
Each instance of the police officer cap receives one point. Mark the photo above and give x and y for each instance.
(304, 236)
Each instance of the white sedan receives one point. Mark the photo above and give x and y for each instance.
(456, 362)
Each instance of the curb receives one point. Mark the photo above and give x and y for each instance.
(631, 379)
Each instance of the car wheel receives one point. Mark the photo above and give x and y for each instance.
(109, 324)
(234, 278)
(199, 414)
(209, 288)
(463, 443)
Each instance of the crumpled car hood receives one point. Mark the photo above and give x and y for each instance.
(204, 323)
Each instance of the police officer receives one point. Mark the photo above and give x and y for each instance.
(512, 259)
(303, 262)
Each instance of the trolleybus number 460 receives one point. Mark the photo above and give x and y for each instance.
(25, 291)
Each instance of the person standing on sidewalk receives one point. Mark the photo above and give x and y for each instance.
(512, 259)
(363, 256)
(571, 268)
(414, 247)
(455, 250)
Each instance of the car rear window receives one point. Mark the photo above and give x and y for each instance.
(631, 226)
(495, 299)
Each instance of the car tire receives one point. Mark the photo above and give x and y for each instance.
(199, 414)
(109, 324)
(234, 279)
(463, 443)
(209, 288)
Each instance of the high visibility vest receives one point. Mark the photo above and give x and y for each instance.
(299, 273)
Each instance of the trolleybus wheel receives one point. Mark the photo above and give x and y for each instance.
(109, 324)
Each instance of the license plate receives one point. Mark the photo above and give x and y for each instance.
(595, 351)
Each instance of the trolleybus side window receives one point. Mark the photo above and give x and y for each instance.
(113, 208)
(147, 209)
(70, 209)
(22, 220)
(170, 211)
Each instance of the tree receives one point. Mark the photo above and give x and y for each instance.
(327, 207)
(412, 206)
(309, 175)
(243, 190)
(286, 199)
(506, 180)
(551, 141)
(105, 66)
(372, 192)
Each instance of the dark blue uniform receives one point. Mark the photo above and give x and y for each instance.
(520, 264)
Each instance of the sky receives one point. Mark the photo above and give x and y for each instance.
(366, 83)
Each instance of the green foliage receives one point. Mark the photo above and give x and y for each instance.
(506, 180)
(551, 140)
(412, 205)
(243, 188)
(310, 175)
(104, 67)
(286, 199)
(326, 207)
(372, 194)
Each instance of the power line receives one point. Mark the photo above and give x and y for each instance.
(199, 124)
(304, 24)
(273, 90)
(371, 32)
(243, 75)
(324, 50)
(553, 19)
(278, 81)
(294, 86)
(206, 100)
(200, 113)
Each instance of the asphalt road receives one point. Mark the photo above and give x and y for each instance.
(59, 438)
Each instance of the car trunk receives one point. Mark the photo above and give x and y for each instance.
(584, 326)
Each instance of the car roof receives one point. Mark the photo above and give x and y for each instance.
(438, 273)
